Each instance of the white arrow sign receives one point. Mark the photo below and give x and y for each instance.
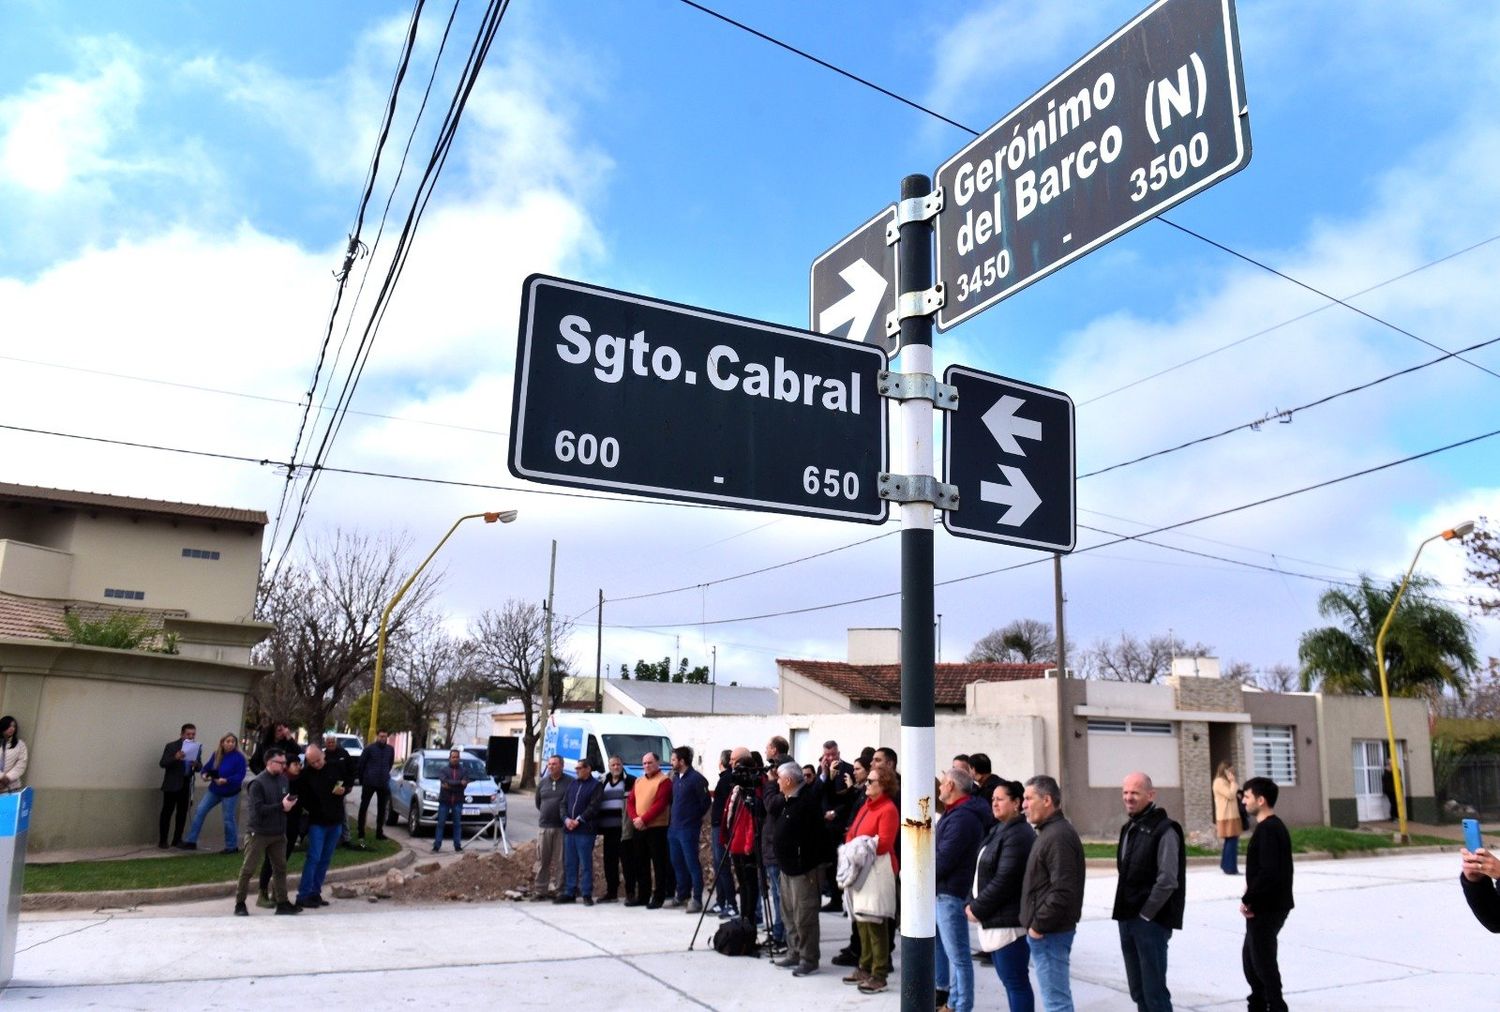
(1003, 424)
(859, 307)
(1018, 495)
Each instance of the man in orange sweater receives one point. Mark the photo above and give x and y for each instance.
(648, 806)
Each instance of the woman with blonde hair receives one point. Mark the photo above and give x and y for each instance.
(1227, 816)
(225, 773)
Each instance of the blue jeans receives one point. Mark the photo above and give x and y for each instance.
(446, 813)
(231, 819)
(723, 872)
(1010, 966)
(322, 841)
(1144, 946)
(578, 853)
(1050, 956)
(682, 844)
(773, 880)
(954, 967)
(1229, 861)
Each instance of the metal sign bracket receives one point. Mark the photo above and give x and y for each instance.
(909, 304)
(915, 209)
(912, 386)
(900, 488)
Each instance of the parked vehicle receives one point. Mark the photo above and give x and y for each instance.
(601, 735)
(414, 791)
(350, 743)
(482, 753)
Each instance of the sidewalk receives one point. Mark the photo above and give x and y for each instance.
(1383, 933)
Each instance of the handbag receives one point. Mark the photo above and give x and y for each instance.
(875, 898)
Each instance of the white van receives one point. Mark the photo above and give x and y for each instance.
(601, 735)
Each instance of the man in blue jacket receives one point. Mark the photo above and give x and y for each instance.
(689, 806)
(580, 819)
(960, 832)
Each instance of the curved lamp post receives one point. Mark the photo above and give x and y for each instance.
(1458, 531)
(504, 517)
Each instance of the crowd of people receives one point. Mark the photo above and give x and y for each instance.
(790, 842)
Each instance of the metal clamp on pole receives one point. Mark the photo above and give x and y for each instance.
(909, 304)
(914, 209)
(912, 386)
(926, 488)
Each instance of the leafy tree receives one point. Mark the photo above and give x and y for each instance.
(662, 671)
(393, 713)
(326, 611)
(1025, 641)
(1131, 660)
(1429, 647)
(118, 630)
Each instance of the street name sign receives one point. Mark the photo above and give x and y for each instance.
(636, 395)
(1009, 450)
(1153, 115)
(853, 285)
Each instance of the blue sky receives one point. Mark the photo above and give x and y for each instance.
(177, 181)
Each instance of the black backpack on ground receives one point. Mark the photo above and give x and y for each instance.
(736, 937)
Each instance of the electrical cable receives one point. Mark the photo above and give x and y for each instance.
(1161, 218)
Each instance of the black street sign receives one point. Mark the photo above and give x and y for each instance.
(1009, 449)
(632, 394)
(853, 285)
(1153, 115)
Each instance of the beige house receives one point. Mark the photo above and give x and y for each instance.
(95, 719)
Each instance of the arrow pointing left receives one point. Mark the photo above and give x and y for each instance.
(1005, 425)
(1018, 495)
(858, 308)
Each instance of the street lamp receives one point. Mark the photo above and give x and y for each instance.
(1458, 531)
(502, 516)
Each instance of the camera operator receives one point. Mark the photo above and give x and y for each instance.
(743, 812)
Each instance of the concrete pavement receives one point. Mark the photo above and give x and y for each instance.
(1367, 934)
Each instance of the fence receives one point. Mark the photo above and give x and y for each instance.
(1476, 783)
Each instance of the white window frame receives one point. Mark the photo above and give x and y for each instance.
(1274, 747)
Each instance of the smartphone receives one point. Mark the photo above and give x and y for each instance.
(1472, 840)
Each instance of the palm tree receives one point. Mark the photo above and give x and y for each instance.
(1428, 649)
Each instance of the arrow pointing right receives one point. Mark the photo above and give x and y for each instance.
(1018, 495)
(859, 307)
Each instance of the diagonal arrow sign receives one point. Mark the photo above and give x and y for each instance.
(1003, 424)
(858, 308)
(1018, 495)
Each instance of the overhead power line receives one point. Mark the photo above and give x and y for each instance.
(1161, 218)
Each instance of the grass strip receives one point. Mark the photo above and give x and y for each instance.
(186, 868)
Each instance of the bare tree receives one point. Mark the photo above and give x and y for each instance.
(508, 649)
(1278, 678)
(429, 673)
(1133, 660)
(1238, 671)
(326, 611)
(1025, 640)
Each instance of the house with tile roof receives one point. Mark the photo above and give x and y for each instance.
(188, 574)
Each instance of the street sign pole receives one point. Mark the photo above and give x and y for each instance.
(918, 741)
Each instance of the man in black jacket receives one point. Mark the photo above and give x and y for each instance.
(267, 804)
(836, 779)
(1268, 895)
(800, 844)
(321, 791)
(374, 774)
(1150, 892)
(180, 759)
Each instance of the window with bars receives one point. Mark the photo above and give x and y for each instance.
(200, 553)
(1275, 750)
(125, 595)
(1157, 728)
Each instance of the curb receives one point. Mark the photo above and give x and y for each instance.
(31, 902)
(1315, 855)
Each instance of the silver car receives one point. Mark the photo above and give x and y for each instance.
(414, 791)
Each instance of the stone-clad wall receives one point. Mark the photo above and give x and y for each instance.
(1211, 695)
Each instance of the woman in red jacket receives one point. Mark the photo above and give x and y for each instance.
(873, 903)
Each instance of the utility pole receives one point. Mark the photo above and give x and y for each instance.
(1062, 660)
(713, 679)
(599, 657)
(547, 648)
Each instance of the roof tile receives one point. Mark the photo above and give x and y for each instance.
(881, 683)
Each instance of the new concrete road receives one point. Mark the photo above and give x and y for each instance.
(1368, 934)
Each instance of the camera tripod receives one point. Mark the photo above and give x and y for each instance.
(738, 802)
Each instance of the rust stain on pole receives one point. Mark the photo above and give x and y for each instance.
(925, 822)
